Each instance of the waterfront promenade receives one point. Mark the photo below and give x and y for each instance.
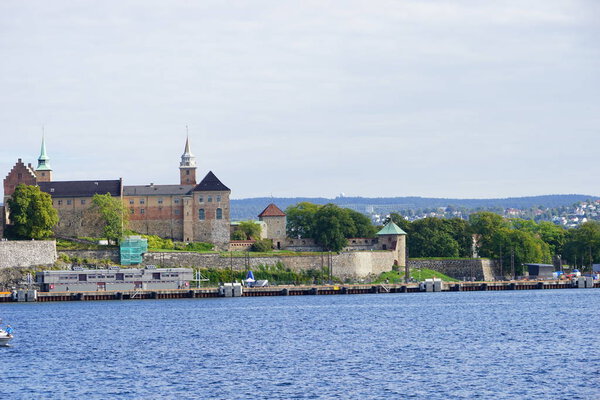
(287, 290)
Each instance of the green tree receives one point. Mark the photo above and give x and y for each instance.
(262, 245)
(31, 212)
(527, 248)
(485, 225)
(112, 214)
(552, 234)
(582, 244)
(250, 229)
(331, 224)
(460, 230)
(239, 235)
(301, 220)
(430, 237)
(363, 227)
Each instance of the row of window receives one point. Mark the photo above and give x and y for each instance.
(202, 214)
(70, 202)
(209, 199)
(143, 211)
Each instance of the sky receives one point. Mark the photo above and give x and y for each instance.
(458, 99)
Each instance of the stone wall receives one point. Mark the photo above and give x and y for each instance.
(28, 253)
(1, 221)
(108, 254)
(478, 268)
(78, 222)
(345, 265)
(169, 229)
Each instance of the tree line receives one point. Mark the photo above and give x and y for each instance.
(484, 234)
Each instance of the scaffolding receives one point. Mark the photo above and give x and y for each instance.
(133, 249)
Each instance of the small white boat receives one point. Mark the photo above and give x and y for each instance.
(5, 337)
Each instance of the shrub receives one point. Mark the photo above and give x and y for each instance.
(156, 242)
(262, 245)
(199, 246)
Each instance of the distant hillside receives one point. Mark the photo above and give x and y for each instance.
(242, 209)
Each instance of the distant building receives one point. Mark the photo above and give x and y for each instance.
(276, 224)
(189, 211)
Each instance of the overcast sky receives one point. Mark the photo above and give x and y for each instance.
(467, 99)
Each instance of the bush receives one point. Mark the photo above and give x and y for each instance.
(263, 245)
(238, 235)
(199, 246)
(156, 242)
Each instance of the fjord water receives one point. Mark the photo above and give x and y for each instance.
(503, 345)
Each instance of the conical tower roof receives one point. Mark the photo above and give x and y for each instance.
(43, 159)
(271, 211)
(187, 158)
(391, 229)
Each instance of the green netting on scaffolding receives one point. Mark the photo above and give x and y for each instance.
(133, 249)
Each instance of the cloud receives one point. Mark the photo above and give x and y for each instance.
(307, 98)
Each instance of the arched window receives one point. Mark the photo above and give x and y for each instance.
(219, 213)
(201, 214)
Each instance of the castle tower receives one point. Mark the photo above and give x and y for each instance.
(391, 237)
(275, 221)
(43, 172)
(187, 166)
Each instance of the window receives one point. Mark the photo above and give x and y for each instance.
(176, 212)
(131, 211)
(131, 201)
(19, 176)
(142, 211)
(201, 199)
(51, 189)
(210, 199)
(160, 201)
(142, 201)
(201, 214)
(82, 202)
(176, 201)
(60, 202)
(187, 171)
(218, 198)
(69, 202)
(219, 213)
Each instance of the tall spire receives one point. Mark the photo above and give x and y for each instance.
(43, 159)
(187, 158)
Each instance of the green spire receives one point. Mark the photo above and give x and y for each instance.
(43, 159)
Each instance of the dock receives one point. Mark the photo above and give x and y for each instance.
(24, 295)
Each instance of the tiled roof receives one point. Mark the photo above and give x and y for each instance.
(81, 188)
(272, 211)
(156, 190)
(211, 183)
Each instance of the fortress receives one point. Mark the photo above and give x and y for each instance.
(189, 211)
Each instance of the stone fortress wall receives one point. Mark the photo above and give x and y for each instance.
(477, 268)
(27, 253)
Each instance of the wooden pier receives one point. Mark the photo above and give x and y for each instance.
(297, 290)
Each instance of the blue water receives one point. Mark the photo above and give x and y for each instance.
(501, 345)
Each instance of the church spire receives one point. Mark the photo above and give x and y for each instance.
(43, 159)
(187, 166)
(43, 171)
